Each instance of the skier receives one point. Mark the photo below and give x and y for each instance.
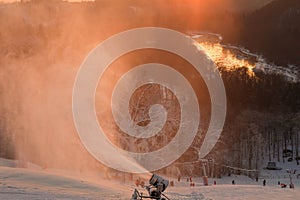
(179, 177)
(137, 182)
(283, 185)
(264, 182)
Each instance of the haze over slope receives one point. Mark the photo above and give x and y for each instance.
(43, 43)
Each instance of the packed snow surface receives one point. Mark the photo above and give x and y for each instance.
(36, 184)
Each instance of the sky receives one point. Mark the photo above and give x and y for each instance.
(9, 1)
(234, 5)
(241, 4)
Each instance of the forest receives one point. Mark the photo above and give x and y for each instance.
(263, 114)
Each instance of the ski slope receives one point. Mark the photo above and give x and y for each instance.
(36, 184)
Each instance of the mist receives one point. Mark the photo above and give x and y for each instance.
(42, 45)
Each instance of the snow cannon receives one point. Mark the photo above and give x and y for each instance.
(157, 185)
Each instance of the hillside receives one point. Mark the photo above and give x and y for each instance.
(274, 31)
(43, 43)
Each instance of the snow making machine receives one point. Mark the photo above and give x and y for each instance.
(157, 185)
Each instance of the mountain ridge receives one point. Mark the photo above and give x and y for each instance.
(274, 31)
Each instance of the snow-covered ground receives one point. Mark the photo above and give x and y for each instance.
(244, 189)
(23, 184)
(26, 184)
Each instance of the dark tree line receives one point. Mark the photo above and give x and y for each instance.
(273, 31)
(262, 121)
